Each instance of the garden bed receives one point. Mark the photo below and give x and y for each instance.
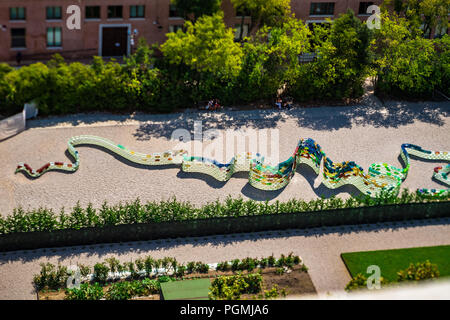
(295, 281)
(146, 278)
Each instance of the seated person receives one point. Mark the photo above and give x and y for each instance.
(216, 104)
(278, 103)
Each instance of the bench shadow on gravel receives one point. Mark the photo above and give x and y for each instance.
(106, 250)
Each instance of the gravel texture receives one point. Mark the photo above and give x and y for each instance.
(360, 133)
(365, 134)
(320, 249)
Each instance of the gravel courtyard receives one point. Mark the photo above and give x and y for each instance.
(365, 134)
(360, 133)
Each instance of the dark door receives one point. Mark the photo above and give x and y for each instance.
(114, 41)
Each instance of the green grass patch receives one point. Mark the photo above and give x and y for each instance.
(392, 261)
(197, 289)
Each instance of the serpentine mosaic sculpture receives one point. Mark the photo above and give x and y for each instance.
(380, 177)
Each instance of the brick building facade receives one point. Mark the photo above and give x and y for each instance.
(38, 29)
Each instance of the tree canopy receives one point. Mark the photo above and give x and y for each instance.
(194, 9)
(431, 13)
(264, 12)
(207, 45)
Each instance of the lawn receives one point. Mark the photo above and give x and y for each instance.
(392, 261)
(197, 289)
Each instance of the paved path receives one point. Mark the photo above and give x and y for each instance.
(319, 248)
(365, 134)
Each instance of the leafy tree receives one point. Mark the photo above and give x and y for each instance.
(204, 58)
(442, 71)
(340, 68)
(263, 12)
(406, 64)
(193, 9)
(143, 77)
(271, 58)
(206, 45)
(431, 13)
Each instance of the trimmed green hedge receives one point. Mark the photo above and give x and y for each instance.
(42, 219)
(134, 222)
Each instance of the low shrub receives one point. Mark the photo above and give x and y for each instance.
(51, 277)
(360, 282)
(190, 267)
(357, 282)
(223, 266)
(415, 272)
(181, 270)
(271, 261)
(263, 263)
(273, 293)
(101, 271)
(124, 290)
(232, 287)
(85, 292)
(279, 271)
(235, 264)
(419, 271)
(84, 270)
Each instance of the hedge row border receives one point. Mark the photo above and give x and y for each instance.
(227, 225)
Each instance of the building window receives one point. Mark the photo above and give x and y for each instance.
(54, 13)
(18, 38)
(54, 37)
(173, 11)
(92, 12)
(322, 9)
(175, 28)
(363, 7)
(237, 33)
(137, 11)
(114, 12)
(16, 13)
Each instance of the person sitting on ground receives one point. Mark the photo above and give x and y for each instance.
(287, 103)
(278, 103)
(216, 104)
(210, 105)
